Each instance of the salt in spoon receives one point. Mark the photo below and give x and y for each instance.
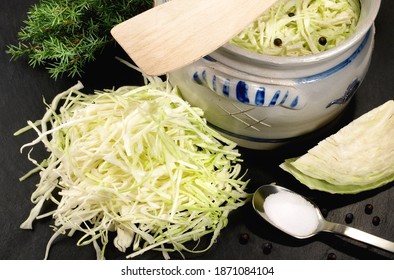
(259, 202)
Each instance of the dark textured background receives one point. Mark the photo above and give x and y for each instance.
(23, 88)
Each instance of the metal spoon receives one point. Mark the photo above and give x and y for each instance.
(264, 191)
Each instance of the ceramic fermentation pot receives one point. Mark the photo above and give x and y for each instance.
(262, 101)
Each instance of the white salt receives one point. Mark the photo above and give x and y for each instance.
(291, 213)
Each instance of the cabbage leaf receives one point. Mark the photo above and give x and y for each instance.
(357, 158)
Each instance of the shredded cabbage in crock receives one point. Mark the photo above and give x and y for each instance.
(300, 27)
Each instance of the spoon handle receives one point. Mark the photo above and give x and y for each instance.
(359, 235)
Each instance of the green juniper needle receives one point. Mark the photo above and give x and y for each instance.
(64, 35)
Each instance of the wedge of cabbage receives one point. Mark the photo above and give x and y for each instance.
(357, 158)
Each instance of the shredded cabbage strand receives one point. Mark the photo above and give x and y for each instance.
(138, 161)
(299, 25)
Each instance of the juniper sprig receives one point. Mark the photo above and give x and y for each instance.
(64, 35)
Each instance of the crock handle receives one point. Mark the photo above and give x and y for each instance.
(247, 92)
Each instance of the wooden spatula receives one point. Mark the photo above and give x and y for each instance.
(180, 32)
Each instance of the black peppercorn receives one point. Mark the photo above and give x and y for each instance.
(349, 218)
(278, 42)
(376, 221)
(243, 238)
(267, 248)
(331, 256)
(291, 14)
(368, 209)
(323, 41)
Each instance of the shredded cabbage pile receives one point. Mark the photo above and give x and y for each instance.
(357, 158)
(300, 27)
(138, 161)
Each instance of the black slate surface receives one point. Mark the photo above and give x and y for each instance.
(22, 89)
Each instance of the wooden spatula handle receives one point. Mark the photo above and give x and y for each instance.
(179, 32)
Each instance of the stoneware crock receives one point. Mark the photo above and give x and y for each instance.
(262, 101)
